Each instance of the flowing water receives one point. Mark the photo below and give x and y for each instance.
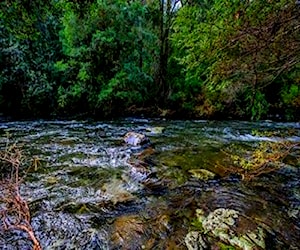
(87, 189)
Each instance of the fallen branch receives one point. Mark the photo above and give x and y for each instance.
(266, 158)
(14, 210)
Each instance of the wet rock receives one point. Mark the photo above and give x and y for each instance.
(139, 172)
(117, 191)
(194, 240)
(128, 232)
(202, 174)
(66, 231)
(140, 167)
(155, 130)
(135, 139)
(14, 239)
(223, 225)
(68, 141)
(166, 234)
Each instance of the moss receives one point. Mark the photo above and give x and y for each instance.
(223, 246)
(155, 130)
(202, 174)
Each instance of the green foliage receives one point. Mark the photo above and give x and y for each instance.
(212, 59)
(109, 55)
(236, 49)
(28, 33)
(226, 247)
(259, 105)
(290, 94)
(290, 97)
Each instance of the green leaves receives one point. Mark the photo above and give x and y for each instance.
(237, 50)
(207, 57)
(110, 43)
(259, 105)
(28, 48)
(290, 93)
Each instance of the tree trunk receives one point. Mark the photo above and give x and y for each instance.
(165, 16)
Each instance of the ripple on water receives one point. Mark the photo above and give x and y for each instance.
(89, 184)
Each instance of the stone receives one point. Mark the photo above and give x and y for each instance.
(202, 174)
(222, 225)
(135, 139)
(155, 130)
(194, 240)
(128, 232)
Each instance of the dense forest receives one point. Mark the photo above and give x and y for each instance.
(211, 59)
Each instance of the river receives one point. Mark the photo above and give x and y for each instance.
(87, 189)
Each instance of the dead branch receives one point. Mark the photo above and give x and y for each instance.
(14, 210)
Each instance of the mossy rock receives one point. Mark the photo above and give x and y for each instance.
(202, 174)
(195, 240)
(155, 130)
(222, 225)
(51, 180)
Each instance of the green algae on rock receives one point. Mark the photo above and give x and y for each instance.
(222, 225)
(195, 240)
(155, 130)
(202, 174)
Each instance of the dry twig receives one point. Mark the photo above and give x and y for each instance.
(14, 210)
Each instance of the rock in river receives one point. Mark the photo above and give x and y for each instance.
(135, 139)
(228, 226)
(202, 174)
(155, 130)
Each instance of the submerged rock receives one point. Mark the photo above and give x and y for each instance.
(194, 240)
(222, 225)
(202, 174)
(118, 191)
(135, 139)
(128, 231)
(155, 130)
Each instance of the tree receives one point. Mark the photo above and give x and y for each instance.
(109, 51)
(28, 48)
(167, 11)
(262, 51)
(237, 53)
(192, 42)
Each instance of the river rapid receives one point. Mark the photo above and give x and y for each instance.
(87, 189)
